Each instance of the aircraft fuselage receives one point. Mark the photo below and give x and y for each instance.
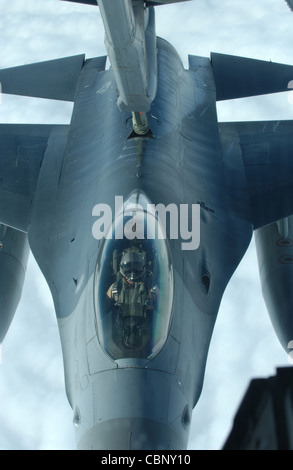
(139, 402)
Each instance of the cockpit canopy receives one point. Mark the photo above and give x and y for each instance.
(134, 284)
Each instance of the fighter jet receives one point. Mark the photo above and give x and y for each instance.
(138, 213)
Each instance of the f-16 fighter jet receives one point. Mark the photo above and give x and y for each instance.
(138, 213)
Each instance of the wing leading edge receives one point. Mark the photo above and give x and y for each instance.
(22, 149)
(267, 152)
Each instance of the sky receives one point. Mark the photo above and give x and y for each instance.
(34, 412)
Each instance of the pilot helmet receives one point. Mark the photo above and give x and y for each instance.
(132, 266)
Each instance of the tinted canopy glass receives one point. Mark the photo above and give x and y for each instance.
(134, 284)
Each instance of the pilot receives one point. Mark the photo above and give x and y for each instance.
(132, 266)
(133, 290)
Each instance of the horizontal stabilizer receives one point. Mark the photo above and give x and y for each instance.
(239, 77)
(53, 79)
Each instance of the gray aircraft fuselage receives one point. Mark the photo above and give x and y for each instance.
(134, 402)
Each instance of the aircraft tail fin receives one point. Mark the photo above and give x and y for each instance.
(53, 79)
(240, 77)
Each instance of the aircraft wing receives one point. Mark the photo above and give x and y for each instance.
(22, 149)
(267, 152)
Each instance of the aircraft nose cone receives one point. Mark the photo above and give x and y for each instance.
(135, 409)
(131, 434)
